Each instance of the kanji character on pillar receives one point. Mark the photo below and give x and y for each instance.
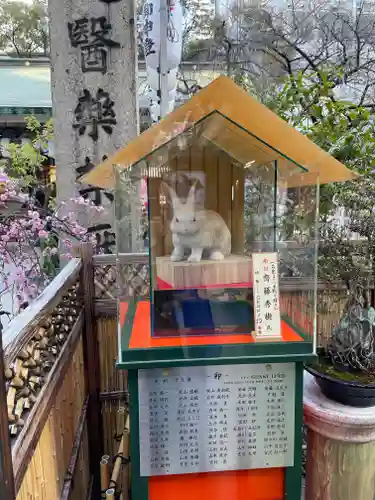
(94, 112)
(93, 37)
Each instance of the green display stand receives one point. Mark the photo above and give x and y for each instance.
(141, 355)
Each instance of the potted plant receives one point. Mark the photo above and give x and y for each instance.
(345, 370)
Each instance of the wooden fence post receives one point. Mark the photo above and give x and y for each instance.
(92, 368)
(7, 489)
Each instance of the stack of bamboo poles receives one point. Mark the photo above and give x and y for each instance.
(111, 378)
(27, 373)
(117, 484)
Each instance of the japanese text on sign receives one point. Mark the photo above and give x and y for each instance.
(216, 418)
(93, 37)
(266, 294)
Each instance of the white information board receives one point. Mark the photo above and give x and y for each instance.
(266, 295)
(216, 418)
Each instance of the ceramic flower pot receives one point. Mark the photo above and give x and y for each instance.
(346, 392)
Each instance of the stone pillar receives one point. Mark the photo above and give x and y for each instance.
(94, 91)
(340, 448)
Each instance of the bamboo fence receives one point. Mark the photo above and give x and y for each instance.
(111, 379)
(45, 473)
(46, 400)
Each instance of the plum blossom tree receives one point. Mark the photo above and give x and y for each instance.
(32, 243)
(34, 237)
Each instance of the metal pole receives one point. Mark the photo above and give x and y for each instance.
(276, 187)
(163, 58)
(7, 490)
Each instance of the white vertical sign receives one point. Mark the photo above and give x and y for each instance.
(266, 295)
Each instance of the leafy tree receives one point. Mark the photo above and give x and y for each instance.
(27, 159)
(342, 128)
(24, 27)
(347, 132)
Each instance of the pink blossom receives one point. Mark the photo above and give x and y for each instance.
(29, 279)
(67, 256)
(67, 244)
(20, 277)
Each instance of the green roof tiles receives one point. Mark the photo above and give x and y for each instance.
(25, 86)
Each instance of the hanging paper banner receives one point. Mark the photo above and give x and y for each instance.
(153, 79)
(151, 43)
(151, 33)
(266, 295)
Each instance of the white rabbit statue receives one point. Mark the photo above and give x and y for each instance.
(203, 232)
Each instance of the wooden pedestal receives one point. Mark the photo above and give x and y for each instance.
(341, 447)
(233, 270)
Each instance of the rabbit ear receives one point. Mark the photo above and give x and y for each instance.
(191, 196)
(172, 193)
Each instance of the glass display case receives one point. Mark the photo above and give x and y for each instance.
(216, 211)
(219, 202)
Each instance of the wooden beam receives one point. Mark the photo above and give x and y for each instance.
(92, 367)
(105, 307)
(69, 476)
(7, 490)
(19, 331)
(28, 438)
(122, 258)
(114, 396)
(307, 284)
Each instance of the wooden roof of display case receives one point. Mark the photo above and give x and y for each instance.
(236, 123)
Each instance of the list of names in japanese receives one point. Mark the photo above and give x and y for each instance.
(216, 418)
(266, 294)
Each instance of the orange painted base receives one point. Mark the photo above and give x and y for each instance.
(141, 333)
(264, 484)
